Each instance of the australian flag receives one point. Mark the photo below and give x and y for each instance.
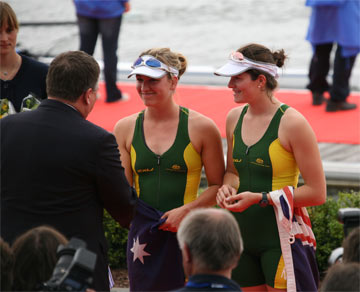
(297, 242)
(154, 258)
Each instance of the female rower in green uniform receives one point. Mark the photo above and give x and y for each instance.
(269, 144)
(164, 147)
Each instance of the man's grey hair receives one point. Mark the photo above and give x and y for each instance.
(213, 238)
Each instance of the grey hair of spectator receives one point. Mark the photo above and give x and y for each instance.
(342, 277)
(351, 245)
(212, 237)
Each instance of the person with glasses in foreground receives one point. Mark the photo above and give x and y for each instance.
(163, 149)
(269, 144)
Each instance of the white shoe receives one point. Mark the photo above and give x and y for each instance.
(125, 97)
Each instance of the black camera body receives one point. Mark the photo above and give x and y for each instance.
(350, 217)
(74, 269)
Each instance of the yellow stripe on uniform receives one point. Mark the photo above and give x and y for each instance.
(136, 176)
(194, 166)
(285, 169)
(280, 277)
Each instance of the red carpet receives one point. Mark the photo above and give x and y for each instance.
(215, 102)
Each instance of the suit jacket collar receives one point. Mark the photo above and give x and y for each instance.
(59, 105)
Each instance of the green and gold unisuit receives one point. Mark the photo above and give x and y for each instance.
(169, 180)
(262, 167)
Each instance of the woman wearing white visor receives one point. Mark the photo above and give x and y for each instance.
(269, 144)
(163, 149)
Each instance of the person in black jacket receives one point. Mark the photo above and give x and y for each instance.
(59, 169)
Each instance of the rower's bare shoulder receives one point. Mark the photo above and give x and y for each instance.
(125, 123)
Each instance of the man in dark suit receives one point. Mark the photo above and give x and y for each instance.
(59, 169)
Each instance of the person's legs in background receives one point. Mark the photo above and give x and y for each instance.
(110, 29)
(319, 69)
(89, 30)
(340, 88)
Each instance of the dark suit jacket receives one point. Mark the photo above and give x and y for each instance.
(60, 170)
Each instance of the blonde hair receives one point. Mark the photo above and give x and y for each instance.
(166, 56)
(8, 16)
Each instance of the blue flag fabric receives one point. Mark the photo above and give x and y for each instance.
(154, 258)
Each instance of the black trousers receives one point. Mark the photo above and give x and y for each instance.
(109, 30)
(319, 69)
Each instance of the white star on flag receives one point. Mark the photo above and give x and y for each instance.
(138, 250)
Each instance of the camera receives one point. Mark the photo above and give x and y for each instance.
(350, 218)
(74, 269)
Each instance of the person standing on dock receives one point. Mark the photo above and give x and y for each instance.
(103, 17)
(333, 22)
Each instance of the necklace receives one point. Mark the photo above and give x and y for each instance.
(11, 72)
(5, 75)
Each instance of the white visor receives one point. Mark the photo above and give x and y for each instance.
(235, 67)
(147, 71)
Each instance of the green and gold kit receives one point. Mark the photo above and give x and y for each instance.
(262, 167)
(169, 180)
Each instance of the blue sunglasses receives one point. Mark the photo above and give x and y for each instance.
(151, 62)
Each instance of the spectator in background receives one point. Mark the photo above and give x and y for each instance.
(6, 267)
(345, 275)
(211, 246)
(333, 22)
(342, 277)
(351, 247)
(102, 17)
(35, 257)
(22, 79)
(62, 170)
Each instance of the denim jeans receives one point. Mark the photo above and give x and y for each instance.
(319, 69)
(109, 30)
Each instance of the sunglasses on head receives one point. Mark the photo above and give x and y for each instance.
(151, 62)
